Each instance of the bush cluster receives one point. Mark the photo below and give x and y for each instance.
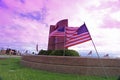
(59, 52)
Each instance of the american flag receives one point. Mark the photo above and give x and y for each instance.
(107, 55)
(70, 31)
(60, 31)
(76, 36)
(90, 53)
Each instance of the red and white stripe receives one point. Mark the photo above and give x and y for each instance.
(72, 38)
(57, 33)
(70, 31)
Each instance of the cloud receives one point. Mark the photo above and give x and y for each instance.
(22, 36)
(22, 11)
(110, 23)
(34, 15)
(106, 14)
(112, 18)
(22, 1)
(3, 4)
(23, 22)
(6, 17)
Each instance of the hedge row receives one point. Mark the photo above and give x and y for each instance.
(59, 52)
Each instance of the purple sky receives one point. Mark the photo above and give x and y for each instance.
(24, 23)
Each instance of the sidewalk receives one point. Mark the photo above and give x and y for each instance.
(10, 56)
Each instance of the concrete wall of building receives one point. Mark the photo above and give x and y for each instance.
(74, 65)
(57, 43)
(51, 40)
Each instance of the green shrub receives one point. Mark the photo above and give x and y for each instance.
(64, 53)
(71, 53)
(45, 52)
(59, 52)
(49, 51)
(42, 52)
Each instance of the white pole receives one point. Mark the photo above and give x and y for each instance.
(64, 40)
(97, 54)
(99, 58)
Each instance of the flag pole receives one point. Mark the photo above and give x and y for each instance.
(99, 58)
(95, 48)
(64, 40)
(93, 43)
(97, 53)
(37, 47)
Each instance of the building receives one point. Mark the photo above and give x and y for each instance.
(57, 43)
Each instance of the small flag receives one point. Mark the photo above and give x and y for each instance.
(90, 53)
(60, 31)
(107, 55)
(80, 35)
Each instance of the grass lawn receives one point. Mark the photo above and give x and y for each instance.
(11, 69)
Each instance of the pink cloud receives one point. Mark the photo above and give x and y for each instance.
(6, 17)
(23, 22)
(103, 13)
(110, 23)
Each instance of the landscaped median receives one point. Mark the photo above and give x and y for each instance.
(73, 65)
